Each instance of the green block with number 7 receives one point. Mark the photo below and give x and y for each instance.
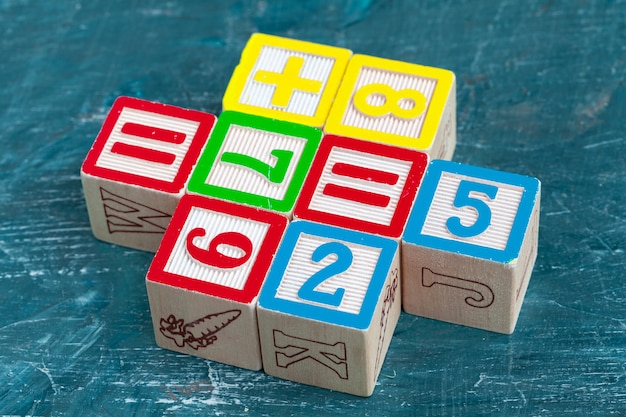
(256, 161)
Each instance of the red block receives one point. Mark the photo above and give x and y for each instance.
(364, 186)
(138, 168)
(206, 276)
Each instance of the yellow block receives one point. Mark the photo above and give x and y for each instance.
(392, 102)
(286, 79)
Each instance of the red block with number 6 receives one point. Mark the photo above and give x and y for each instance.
(205, 278)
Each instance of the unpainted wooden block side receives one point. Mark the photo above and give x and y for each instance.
(457, 288)
(444, 145)
(205, 326)
(127, 215)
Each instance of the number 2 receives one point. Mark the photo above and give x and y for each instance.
(309, 291)
(464, 199)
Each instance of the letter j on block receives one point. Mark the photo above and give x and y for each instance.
(470, 245)
(286, 79)
(138, 167)
(329, 306)
(204, 281)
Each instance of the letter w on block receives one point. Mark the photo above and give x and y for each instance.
(291, 349)
(124, 215)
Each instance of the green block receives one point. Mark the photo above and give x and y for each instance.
(256, 161)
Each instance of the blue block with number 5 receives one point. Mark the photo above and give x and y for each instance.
(329, 306)
(470, 246)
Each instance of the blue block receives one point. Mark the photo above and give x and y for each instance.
(329, 306)
(326, 306)
(464, 238)
(470, 245)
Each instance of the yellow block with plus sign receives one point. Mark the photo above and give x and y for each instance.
(286, 79)
(398, 103)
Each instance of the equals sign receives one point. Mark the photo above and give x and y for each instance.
(152, 133)
(361, 173)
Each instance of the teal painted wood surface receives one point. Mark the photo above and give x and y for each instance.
(541, 91)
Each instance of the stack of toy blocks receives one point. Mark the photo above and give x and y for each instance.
(291, 229)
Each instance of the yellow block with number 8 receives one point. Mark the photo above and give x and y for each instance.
(398, 103)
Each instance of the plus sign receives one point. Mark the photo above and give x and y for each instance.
(288, 81)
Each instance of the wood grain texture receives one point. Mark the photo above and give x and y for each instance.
(540, 91)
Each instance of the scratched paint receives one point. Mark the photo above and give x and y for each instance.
(541, 91)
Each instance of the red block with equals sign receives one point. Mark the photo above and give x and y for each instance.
(138, 168)
(365, 186)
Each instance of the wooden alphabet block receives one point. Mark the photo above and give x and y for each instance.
(361, 185)
(286, 79)
(138, 167)
(329, 306)
(470, 245)
(398, 103)
(256, 161)
(205, 278)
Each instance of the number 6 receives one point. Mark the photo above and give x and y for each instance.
(212, 256)
(463, 199)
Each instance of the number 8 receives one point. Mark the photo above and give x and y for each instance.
(463, 199)
(391, 103)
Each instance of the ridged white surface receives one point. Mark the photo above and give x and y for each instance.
(257, 144)
(503, 211)
(274, 60)
(355, 280)
(389, 123)
(139, 166)
(353, 209)
(182, 263)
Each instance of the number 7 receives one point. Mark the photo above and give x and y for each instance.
(463, 199)
(274, 173)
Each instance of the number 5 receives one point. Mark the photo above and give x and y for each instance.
(463, 199)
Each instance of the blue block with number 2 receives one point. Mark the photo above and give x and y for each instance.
(328, 307)
(339, 274)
